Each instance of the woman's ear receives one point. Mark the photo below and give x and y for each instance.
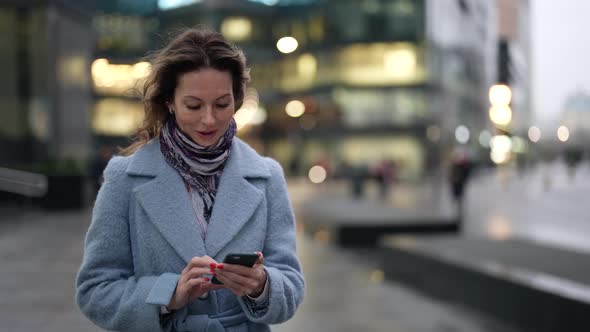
(170, 108)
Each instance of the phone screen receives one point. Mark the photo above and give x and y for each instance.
(247, 260)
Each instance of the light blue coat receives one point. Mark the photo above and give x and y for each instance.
(144, 232)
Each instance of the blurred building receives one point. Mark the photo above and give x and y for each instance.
(576, 118)
(389, 79)
(383, 79)
(125, 31)
(46, 53)
(514, 57)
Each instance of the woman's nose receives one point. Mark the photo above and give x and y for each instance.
(208, 117)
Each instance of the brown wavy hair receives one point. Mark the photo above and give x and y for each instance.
(191, 49)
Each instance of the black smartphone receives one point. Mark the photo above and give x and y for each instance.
(247, 260)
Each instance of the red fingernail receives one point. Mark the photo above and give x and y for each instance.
(207, 279)
(220, 266)
(212, 265)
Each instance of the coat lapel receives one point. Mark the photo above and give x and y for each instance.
(166, 202)
(237, 198)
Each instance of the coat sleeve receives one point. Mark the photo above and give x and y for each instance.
(107, 291)
(287, 285)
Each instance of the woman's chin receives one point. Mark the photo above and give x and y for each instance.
(205, 141)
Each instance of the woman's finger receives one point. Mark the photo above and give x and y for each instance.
(197, 272)
(239, 283)
(232, 285)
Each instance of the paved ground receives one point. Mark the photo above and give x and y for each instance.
(40, 253)
(547, 204)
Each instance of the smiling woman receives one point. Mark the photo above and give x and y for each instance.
(185, 194)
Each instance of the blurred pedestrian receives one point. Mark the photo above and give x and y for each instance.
(386, 176)
(188, 193)
(459, 173)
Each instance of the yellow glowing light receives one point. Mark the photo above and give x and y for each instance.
(499, 157)
(98, 66)
(501, 148)
(401, 61)
(563, 133)
(534, 134)
(501, 115)
(243, 116)
(295, 108)
(117, 117)
(236, 28)
(501, 143)
(140, 70)
(500, 95)
(307, 65)
(117, 79)
(287, 45)
(248, 113)
(317, 174)
(259, 117)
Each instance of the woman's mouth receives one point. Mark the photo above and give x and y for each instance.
(207, 133)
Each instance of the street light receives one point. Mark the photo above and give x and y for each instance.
(563, 133)
(287, 45)
(500, 112)
(501, 115)
(295, 108)
(500, 94)
(534, 134)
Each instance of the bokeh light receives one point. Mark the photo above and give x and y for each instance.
(295, 108)
(534, 134)
(500, 95)
(563, 133)
(317, 174)
(287, 44)
(462, 134)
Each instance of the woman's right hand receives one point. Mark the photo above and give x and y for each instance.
(192, 284)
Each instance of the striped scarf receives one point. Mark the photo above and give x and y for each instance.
(198, 166)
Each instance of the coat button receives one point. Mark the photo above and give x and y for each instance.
(204, 296)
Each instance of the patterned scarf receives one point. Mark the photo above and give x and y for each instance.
(198, 166)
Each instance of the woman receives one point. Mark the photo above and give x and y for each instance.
(187, 194)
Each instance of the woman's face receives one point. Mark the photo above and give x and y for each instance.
(204, 104)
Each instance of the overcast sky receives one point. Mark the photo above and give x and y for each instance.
(560, 55)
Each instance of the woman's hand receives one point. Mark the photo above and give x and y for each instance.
(242, 280)
(192, 284)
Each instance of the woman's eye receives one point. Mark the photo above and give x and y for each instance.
(193, 107)
(222, 105)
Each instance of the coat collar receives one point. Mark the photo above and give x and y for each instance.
(167, 203)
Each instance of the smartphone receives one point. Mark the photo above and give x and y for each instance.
(247, 260)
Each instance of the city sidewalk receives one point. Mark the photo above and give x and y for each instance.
(544, 204)
(41, 252)
(333, 201)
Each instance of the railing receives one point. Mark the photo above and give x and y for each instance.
(23, 183)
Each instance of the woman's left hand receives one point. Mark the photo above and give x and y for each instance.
(242, 280)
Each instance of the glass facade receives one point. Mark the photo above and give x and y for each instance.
(366, 78)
